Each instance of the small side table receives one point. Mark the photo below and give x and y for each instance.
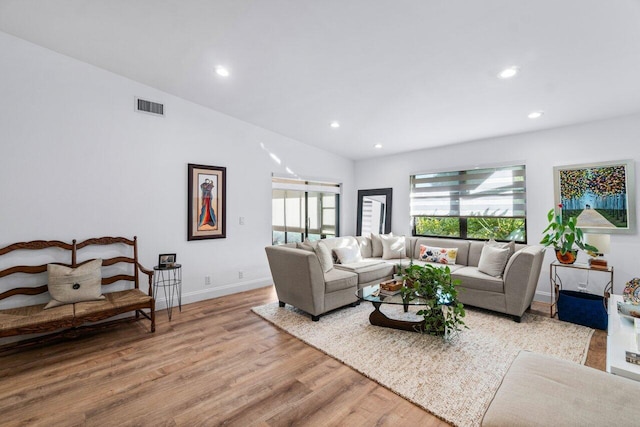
(169, 279)
(556, 282)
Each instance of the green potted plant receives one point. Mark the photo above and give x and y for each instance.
(443, 312)
(565, 236)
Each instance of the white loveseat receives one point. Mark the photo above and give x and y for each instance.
(300, 279)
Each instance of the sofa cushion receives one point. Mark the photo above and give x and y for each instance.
(376, 244)
(337, 280)
(493, 260)
(369, 270)
(348, 254)
(70, 285)
(438, 255)
(540, 390)
(474, 279)
(365, 246)
(324, 256)
(340, 242)
(452, 267)
(393, 247)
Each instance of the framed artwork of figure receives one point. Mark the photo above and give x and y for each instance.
(206, 207)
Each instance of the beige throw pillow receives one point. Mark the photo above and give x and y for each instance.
(393, 247)
(376, 244)
(324, 256)
(511, 246)
(70, 285)
(493, 260)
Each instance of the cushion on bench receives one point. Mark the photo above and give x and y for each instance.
(540, 390)
(114, 303)
(34, 318)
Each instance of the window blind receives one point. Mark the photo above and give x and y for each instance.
(489, 192)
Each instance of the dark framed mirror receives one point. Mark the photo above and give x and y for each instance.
(374, 211)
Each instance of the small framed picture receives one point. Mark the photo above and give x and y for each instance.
(166, 260)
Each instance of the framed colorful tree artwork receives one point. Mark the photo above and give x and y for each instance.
(600, 195)
(206, 202)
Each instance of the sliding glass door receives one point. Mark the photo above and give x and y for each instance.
(298, 214)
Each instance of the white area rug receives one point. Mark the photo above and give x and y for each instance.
(455, 381)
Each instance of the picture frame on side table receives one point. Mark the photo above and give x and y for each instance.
(600, 195)
(206, 205)
(166, 260)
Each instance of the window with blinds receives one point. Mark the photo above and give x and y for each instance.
(473, 204)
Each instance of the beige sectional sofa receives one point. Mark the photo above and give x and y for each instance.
(301, 279)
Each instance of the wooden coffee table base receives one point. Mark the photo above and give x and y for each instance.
(378, 318)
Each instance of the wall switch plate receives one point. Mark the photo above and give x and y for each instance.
(207, 280)
(241, 220)
(240, 274)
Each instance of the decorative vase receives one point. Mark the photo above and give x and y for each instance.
(568, 258)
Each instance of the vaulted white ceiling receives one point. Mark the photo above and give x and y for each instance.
(407, 74)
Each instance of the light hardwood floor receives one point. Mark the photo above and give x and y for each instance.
(215, 363)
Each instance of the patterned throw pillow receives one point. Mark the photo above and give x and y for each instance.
(438, 255)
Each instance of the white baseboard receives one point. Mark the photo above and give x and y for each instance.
(542, 296)
(215, 292)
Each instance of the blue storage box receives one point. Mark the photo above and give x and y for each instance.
(582, 308)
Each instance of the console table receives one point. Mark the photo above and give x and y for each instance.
(620, 338)
(169, 278)
(556, 282)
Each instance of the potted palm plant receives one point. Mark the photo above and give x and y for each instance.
(565, 236)
(443, 312)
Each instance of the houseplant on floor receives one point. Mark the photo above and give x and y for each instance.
(443, 312)
(564, 236)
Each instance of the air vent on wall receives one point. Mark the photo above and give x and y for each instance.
(150, 107)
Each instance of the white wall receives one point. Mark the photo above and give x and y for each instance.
(77, 161)
(615, 139)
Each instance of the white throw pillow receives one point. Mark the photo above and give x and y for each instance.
(493, 260)
(70, 285)
(393, 247)
(348, 254)
(376, 244)
(365, 246)
(324, 256)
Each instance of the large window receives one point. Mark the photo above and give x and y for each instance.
(304, 209)
(474, 204)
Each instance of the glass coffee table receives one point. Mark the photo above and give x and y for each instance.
(375, 295)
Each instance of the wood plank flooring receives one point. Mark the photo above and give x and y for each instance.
(215, 363)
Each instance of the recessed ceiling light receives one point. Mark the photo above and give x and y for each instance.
(378, 146)
(507, 73)
(335, 125)
(535, 114)
(222, 71)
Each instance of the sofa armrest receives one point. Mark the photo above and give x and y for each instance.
(298, 278)
(521, 278)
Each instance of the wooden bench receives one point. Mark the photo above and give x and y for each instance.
(20, 316)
